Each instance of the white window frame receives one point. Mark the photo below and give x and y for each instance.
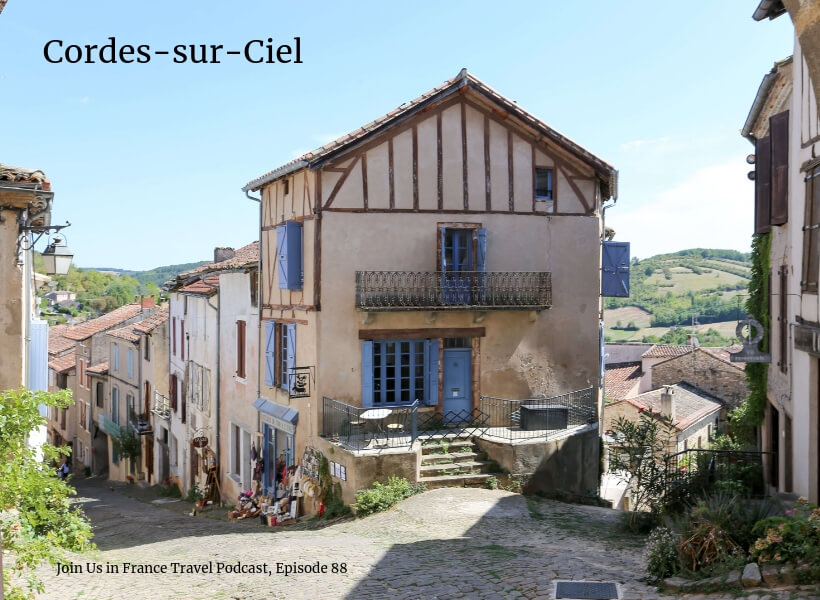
(130, 363)
(115, 357)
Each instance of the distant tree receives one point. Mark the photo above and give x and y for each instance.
(631, 326)
(648, 271)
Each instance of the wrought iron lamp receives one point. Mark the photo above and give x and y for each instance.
(57, 257)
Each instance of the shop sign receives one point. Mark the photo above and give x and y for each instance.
(750, 352)
(299, 379)
(200, 441)
(807, 339)
(279, 424)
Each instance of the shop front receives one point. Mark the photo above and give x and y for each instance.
(276, 456)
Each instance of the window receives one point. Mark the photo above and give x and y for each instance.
(82, 415)
(174, 336)
(130, 363)
(147, 349)
(543, 184)
(280, 353)
(289, 255)
(81, 378)
(182, 338)
(396, 372)
(100, 396)
(63, 412)
(254, 282)
(172, 451)
(172, 392)
(811, 233)
(115, 405)
(87, 380)
(462, 253)
(240, 349)
(115, 357)
(129, 403)
(236, 450)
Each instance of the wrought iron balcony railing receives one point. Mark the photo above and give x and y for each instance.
(465, 290)
(161, 406)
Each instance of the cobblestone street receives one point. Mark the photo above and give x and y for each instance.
(447, 543)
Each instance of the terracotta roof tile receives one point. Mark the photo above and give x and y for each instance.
(125, 333)
(205, 286)
(691, 404)
(57, 330)
(64, 363)
(98, 369)
(107, 321)
(621, 378)
(462, 80)
(151, 323)
(243, 256)
(23, 175)
(59, 344)
(723, 353)
(667, 350)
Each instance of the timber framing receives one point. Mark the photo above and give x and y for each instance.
(429, 333)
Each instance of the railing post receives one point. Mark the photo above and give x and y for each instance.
(414, 422)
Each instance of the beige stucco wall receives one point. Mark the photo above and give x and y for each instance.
(155, 372)
(12, 348)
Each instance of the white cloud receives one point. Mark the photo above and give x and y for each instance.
(713, 208)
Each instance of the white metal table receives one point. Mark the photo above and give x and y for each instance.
(377, 415)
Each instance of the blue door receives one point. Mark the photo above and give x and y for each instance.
(457, 385)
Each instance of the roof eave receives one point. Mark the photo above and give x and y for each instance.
(286, 169)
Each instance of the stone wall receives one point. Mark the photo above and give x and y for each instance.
(714, 376)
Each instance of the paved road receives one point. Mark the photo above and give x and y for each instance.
(444, 544)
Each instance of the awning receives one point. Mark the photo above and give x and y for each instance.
(277, 416)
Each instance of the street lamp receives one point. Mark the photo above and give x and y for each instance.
(57, 257)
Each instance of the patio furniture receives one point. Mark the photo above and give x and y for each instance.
(377, 417)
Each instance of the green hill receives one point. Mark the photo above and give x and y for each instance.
(692, 288)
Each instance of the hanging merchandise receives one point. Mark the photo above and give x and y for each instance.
(258, 470)
(253, 451)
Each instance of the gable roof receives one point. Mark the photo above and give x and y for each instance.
(691, 404)
(621, 378)
(151, 323)
(721, 353)
(63, 363)
(245, 255)
(98, 369)
(462, 82)
(125, 333)
(206, 286)
(666, 350)
(107, 321)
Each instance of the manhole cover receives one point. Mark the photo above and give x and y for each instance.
(586, 590)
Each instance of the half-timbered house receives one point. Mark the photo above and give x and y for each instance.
(438, 267)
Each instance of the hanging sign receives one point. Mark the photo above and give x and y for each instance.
(200, 441)
(750, 352)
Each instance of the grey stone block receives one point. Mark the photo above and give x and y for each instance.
(769, 574)
(751, 575)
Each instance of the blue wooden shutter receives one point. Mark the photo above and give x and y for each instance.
(290, 332)
(443, 264)
(615, 269)
(602, 352)
(282, 255)
(367, 373)
(481, 259)
(294, 249)
(270, 348)
(431, 372)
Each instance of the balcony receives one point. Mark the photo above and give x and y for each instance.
(140, 422)
(109, 426)
(161, 406)
(378, 291)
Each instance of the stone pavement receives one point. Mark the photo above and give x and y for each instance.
(458, 543)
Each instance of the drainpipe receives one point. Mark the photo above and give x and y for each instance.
(258, 317)
(218, 379)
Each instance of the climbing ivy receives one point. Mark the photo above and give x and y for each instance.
(750, 415)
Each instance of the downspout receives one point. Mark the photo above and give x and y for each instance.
(218, 379)
(258, 312)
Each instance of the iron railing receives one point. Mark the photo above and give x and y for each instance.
(161, 406)
(369, 428)
(464, 290)
(533, 418)
(695, 470)
(139, 422)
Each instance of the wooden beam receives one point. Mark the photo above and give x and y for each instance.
(487, 183)
(286, 320)
(341, 181)
(364, 179)
(425, 333)
(510, 180)
(439, 173)
(392, 188)
(317, 265)
(574, 186)
(446, 211)
(415, 168)
(464, 155)
(534, 182)
(303, 307)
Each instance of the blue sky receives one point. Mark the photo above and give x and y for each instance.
(147, 160)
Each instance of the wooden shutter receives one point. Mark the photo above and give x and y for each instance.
(290, 359)
(763, 184)
(282, 256)
(183, 401)
(367, 373)
(270, 352)
(811, 233)
(182, 339)
(481, 255)
(431, 373)
(172, 392)
(615, 269)
(240, 349)
(779, 132)
(289, 255)
(174, 336)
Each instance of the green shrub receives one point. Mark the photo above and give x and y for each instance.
(794, 538)
(380, 497)
(195, 493)
(662, 553)
(492, 483)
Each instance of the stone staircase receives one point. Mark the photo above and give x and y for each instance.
(447, 461)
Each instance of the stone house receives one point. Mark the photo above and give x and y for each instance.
(395, 284)
(210, 348)
(783, 126)
(62, 371)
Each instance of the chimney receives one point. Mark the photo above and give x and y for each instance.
(668, 402)
(221, 254)
(692, 340)
(147, 302)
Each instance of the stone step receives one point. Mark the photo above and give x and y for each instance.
(433, 459)
(470, 466)
(439, 481)
(432, 448)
